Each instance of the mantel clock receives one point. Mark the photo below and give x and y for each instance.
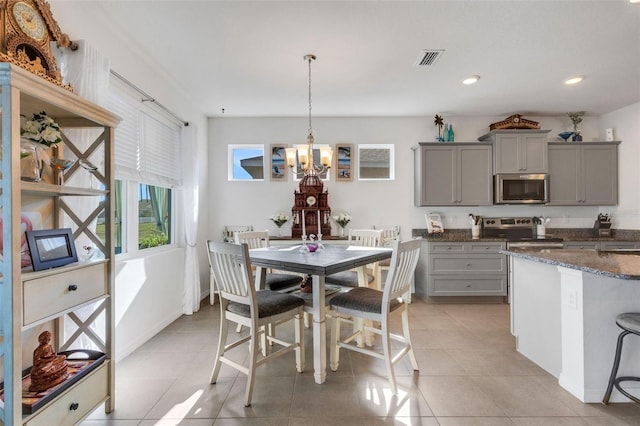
(27, 28)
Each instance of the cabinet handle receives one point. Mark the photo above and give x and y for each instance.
(74, 406)
(468, 285)
(73, 287)
(468, 264)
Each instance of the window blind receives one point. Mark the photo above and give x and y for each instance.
(147, 147)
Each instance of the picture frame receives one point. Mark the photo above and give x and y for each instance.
(278, 163)
(343, 162)
(376, 162)
(51, 248)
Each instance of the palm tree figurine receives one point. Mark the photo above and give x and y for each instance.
(439, 122)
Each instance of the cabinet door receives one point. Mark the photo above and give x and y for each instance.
(507, 155)
(474, 177)
(438, 176)
(521, 153)
(564, 175)
(600, 174)
(534, 153)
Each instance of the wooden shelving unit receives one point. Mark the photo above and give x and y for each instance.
(31, 301)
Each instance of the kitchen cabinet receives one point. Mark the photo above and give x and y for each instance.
(583, 173)
(463, 269)
(456, 174)
(602, 245)
(34, 301)
(518, 151)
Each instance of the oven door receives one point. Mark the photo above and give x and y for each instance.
(521, 188)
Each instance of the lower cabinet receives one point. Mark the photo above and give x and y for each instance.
(602, 245)
(466, 269)
(76, 403)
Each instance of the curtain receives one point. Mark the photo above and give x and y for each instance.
(190, 199)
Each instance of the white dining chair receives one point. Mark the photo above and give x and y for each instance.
(378, 305)
(362, 238)
(390, 234)
(242, 304)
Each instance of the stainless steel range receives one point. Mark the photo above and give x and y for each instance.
(518, 231)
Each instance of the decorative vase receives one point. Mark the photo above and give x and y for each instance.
(341, 231)
(31, 161)
(577, 137)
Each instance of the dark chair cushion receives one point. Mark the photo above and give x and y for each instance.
(346, 278)
(269, 303)
(629, 321)
(277, 281)
(363, 299)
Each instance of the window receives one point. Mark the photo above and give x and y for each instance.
(154, 216)
(246, 162)
(147, 169)
(376, 162)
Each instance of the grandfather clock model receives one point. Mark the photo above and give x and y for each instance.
(311, 205)
(27, 28)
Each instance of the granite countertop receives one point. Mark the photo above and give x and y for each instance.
(567, 234)
(615, 264)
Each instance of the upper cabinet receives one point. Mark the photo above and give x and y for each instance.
(519, 151)
(457, 174)
(583, 173)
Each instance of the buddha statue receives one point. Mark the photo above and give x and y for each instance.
(49, 369)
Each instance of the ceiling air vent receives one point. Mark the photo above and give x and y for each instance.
(428, 57)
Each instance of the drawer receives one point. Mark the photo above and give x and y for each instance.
(87, 394)
(466, 286)
(487, 247)
(477, 264)
(617, 245)
(582, 245)
(447, 247)
(52, 294)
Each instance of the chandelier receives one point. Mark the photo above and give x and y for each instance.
(305, 151)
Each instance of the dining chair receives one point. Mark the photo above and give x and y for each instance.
(276, 281)
(363, 238)
(228, 232)
(378, 305)
(241, 303)
(390, 233)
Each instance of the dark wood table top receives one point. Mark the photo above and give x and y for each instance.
(334, 258)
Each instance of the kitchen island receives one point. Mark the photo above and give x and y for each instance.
(563, 309)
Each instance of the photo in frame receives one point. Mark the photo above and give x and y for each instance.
(343, 162)
(278, 163)
(50, 248)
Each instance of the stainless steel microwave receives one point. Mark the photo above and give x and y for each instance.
(521, 188)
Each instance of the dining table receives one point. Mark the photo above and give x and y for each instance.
(330, 259)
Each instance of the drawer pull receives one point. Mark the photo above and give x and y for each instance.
(74, 406)
(73, 287)
(468, 265)
(468, 286)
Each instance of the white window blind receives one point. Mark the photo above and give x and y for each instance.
(147, 147)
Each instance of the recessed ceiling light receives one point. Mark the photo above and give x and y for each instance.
(471, 79)
(574, 80)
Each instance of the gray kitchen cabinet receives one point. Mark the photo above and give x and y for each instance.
(583, 173)
(519, 151)
(463, 269)
(457, 174)
(581, 245)
(601, 245)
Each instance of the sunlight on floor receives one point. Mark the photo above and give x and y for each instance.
(180, 411)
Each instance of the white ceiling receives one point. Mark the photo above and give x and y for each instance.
(247, 56)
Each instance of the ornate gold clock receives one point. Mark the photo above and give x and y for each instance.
(26, 29)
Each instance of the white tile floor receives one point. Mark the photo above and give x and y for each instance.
(470, 374)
